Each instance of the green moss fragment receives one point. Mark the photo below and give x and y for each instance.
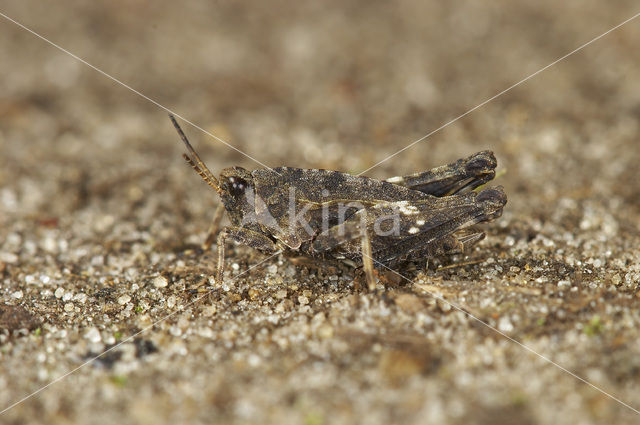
(119, 380)
(313, 418)
(594, 327)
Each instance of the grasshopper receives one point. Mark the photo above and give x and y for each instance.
(370, 223)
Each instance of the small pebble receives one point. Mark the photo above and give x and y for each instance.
(68, 307)
(209, 310)
(59, 293)
(18, 295)
(171, 301)
(253, 293)
(8, 257)
(505, 324)
(443, 305)
(122, 300)
(206, 333)
(160, 281)
(49, 245)
(325, 331)
(93, 335)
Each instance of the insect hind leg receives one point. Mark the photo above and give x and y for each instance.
(345, 233)
(457, 177)
(461, 241)
(367, 259)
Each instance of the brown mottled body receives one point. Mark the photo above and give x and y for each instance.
(330, 214)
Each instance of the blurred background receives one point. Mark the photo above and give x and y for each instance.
(91, 176)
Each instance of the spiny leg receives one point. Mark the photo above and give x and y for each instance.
(457, 243)
(467, 239)
(367, 259)
(214, 228)
(220, 270)
(243, 236)
(347, 232)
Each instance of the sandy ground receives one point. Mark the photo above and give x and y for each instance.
(100, 219)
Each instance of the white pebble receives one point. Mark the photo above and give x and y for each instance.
(122, 300)
(14, 239)
(49, 245)
(160, 281)
(505, 324)
(8, 257)
(93, 335)
(59, 293)
(209, 310)
(206, 333)
(17, 294)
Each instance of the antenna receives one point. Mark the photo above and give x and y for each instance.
(194, 159)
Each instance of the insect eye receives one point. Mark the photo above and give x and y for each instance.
(237, 186)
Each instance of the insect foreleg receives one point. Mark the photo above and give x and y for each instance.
(245, 237)
(214, 228)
